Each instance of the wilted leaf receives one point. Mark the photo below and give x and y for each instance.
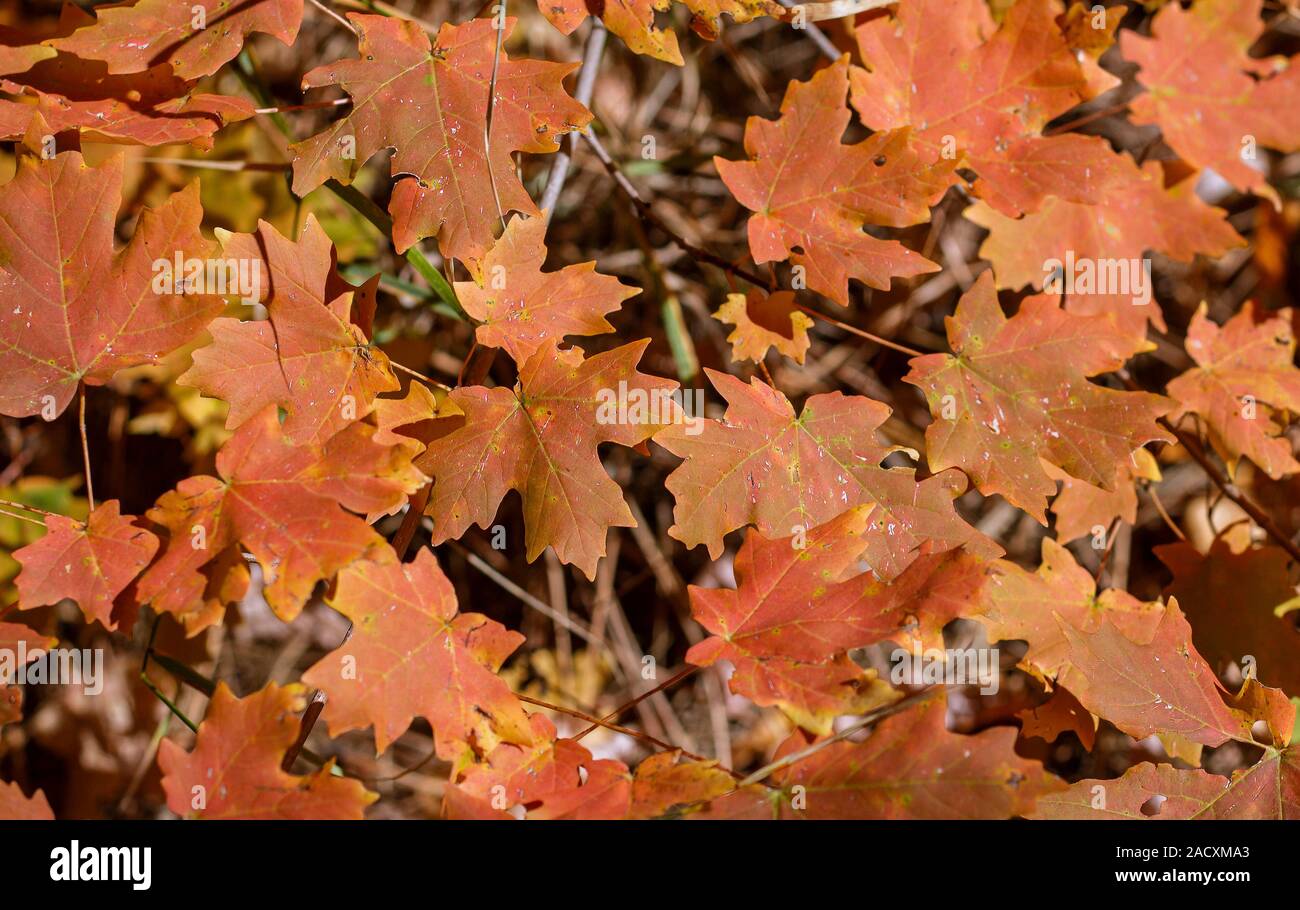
(765, 322)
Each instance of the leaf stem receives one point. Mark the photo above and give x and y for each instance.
(85, 450)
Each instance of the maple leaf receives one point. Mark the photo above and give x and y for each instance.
(1082, 509)
(234, 769)
(813, 196)
(285, 504)
(910, 767)
(979, 96)
(1017, 389)
(1268, 789)
(413, 654)
(540, 439)
(1213, 102)
(634, 20)
(308, 357)
(1136, 214)
(663, 784)
(52, 92)
(1244, 376)
(549, 779)
(1237, 604)
(523, 308)
(763, 465)
(195, 38)
(13, 634)
(765, 322)
(1090, 32)
(801, 603)
(88, 562)
(71, 309)
(16, 807)
(1038, 606)
(1150, 680)
(430, 104)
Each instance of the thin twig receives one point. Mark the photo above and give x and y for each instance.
(20, 517)
(1160, 508)
(499, 23)
(1230, 489)
(647, 215)
(420, 376)
(867, 720)
(334, 15)
(85, 451)
(617, 712)
(861, 333)
(627, 731)
(26, 508)
(829, 50)
(505, 583)
(591, 55)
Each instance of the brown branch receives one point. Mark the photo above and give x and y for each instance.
(614, 715)
(627, 731)
(1230, 489)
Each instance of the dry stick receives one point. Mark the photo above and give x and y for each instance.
(420, 376)
(85, 451)
(503, 582)
(26, 508)
(591, 55)
(838, 9)
(643, 210)
(861, 333)
(829, 50)
(263, 166)
(1220, 480)
(627, 731)
(557, 590)
(334, 15)
(1160, 508)
(1230, 490)
(415, 504)
(305, 106)
(617, 712)
(20, 517)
